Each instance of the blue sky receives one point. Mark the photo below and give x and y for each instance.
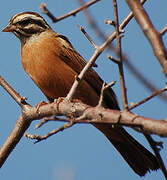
(81, 152)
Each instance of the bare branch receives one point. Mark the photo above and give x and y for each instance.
(98, 115)
(119, 53)
(22, 124)
(104, 87)
(163, 31)
(72, 13)
(148, 98)
(90, 63)
(87, 36)
(148, 84)
(76, 110)
(113, 59)
(19, 100)
(51, 133)
(44, 121)
(124, 23)
(150, 32)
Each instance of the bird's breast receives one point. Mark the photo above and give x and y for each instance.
(41, 61)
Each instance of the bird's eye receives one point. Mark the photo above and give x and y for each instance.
(25, 22)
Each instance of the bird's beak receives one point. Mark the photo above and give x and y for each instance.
(9, 28)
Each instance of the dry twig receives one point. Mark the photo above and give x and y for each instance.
(104, 87)
(148, 98)
(132, 68)
(77, 109)
(19, 100)
(120, 60)
(72, 13)
(90, 63)
(163, 31)
(150, 32)
(87, 36)
(51, 133)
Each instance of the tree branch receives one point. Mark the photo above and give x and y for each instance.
(80, 113)
(150, 32)
(90, 63)
(120, 58)
(22, 124)
(130, 66)
(19, 100)
(72, 13)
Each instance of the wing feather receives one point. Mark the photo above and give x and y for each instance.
(67, 52)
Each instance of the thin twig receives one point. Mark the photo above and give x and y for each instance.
(150, 32)
(22, 124)
(132, 68)
(71, 13)
(39, 138)
(102, 94)
(44, 121)
(113, 59)
(87, 36)
(148, 98)
(89, 64)
(48, 119)
(104, 87)
(120, 60)
(148, 84)
(163, 31)
(20, 100)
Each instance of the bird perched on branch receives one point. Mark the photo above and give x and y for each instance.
(52, 63)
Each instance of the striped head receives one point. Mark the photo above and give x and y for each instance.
(26, 24)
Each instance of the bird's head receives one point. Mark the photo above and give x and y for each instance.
(26, 24)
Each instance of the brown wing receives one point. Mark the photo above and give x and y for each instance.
(67, 52)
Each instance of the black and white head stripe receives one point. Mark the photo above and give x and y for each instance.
(28, 23)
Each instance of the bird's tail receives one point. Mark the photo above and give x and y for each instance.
(137, 156)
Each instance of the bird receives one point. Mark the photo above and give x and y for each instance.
(52, 63)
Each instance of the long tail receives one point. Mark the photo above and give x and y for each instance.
(137, 156)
